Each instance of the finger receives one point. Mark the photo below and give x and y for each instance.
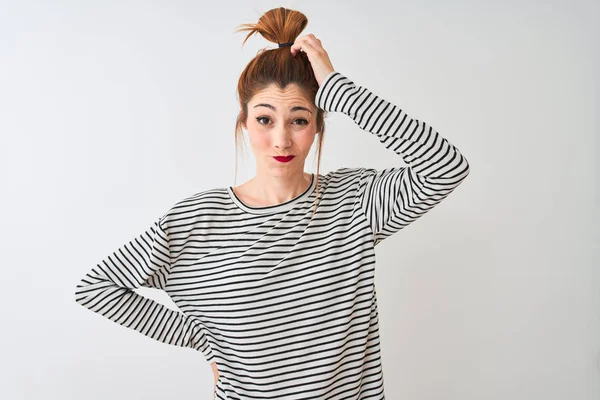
(304, 40)
(312, 40)
(312, 37)
(302, 44)
(297, 46)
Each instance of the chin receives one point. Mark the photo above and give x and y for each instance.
(281, 170)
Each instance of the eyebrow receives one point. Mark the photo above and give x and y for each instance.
(295, 108)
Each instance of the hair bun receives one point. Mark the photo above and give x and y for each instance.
(278, 25)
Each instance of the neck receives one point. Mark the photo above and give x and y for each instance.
(273, 190)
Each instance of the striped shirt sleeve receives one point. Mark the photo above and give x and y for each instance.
(145, 261)
(392, 198)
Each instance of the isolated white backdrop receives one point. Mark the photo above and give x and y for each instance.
(112, 111)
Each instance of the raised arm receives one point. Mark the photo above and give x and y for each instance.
(394, 197)
(145, 261)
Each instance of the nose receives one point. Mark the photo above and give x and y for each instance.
(282, 138)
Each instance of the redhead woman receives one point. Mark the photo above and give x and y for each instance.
(274, 278)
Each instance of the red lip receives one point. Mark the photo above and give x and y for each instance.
(284, 159)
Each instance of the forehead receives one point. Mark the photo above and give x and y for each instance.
(275, 95)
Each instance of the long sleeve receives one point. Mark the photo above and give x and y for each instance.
(144, 261)
(392, 198)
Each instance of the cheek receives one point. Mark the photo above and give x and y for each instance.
(259, 139)
(262, 141)
(305, 139)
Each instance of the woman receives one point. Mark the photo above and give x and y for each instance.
(275, 278)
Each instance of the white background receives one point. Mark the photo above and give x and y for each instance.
(111, 111)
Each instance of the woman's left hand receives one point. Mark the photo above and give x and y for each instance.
(318, 57)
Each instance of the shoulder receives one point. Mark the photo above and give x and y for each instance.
(346, 177)
(194, 206)
(349, 173)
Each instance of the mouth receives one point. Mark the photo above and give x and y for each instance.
(284, 159)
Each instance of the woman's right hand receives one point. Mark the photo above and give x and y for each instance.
(215, 372)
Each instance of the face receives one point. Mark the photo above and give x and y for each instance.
(281, 123)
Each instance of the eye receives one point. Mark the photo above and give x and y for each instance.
(259, 118)
(304, 121)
